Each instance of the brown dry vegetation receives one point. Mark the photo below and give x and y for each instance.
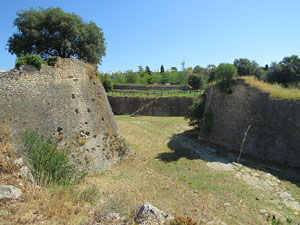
(180, 185)
(54, 205)
(275, 90)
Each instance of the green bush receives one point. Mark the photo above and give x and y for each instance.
(34, 60)
(225, 73)
(107, 82)
(50, 165)
(195, 114)
(51, 60)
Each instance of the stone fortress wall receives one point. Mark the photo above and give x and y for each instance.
(275, 123)
(68, 103)
(165, 106)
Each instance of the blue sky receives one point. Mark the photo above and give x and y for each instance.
(166, 32)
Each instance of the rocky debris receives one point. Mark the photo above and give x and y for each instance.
(150, 215)
(262, 181)
(220, 166)
(28, 68)
(19, 162)
(26, 173)
(9, 191)
(109, 218)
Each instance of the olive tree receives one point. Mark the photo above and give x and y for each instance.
(52, 32)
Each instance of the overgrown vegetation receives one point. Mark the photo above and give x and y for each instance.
(225, 73)
(50, 165)
(34, 60)
(196, 112)
(180, 220)
(275, 90)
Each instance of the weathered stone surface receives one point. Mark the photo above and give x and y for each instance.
(274, 134)
(19, 162)
(221, 166)
(173, 106)
(68, 103)
(150, 215)
(109, 218)
(26, 173)
(9, 191)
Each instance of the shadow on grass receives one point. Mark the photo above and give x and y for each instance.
(186, 145)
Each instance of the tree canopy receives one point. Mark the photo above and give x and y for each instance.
(286, 71)
(245, 66)
(52, 32)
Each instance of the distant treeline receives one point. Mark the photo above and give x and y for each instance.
(286, 73)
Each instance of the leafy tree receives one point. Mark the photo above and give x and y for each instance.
(245, 66)
(157, 78)
(174, 68)
(52, 32)
(286, 71)
(141, 69)
(261, 74)
(132, 78)
(162, 69)
(225, 72)
(147, 70)
(196, 81)
(107, 82)
(119, 78)
(200, 70)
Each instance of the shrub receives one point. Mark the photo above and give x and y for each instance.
(196, 81)
(34, 60)
(195, 114)
(180, 220)
(107, 82)
(225, 72)
(51, 60)
(49, 164)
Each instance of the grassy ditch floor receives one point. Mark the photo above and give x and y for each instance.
(167, 174)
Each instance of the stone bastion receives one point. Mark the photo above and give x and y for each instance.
(274, 124)
(67, 103)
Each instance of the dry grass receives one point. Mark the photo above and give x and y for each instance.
(54, 205)
(275, 90)
(182, 186)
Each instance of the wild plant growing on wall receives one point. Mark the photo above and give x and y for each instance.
(49, 164)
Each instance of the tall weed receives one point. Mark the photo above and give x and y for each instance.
(49, 164)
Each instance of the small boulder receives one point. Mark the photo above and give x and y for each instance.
(27, 173)
(19, 162)
(150, 215)
(219, 166)
(9, 191)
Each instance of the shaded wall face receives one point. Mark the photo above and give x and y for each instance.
(172, 106)
(275, 123)
(67, 103)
